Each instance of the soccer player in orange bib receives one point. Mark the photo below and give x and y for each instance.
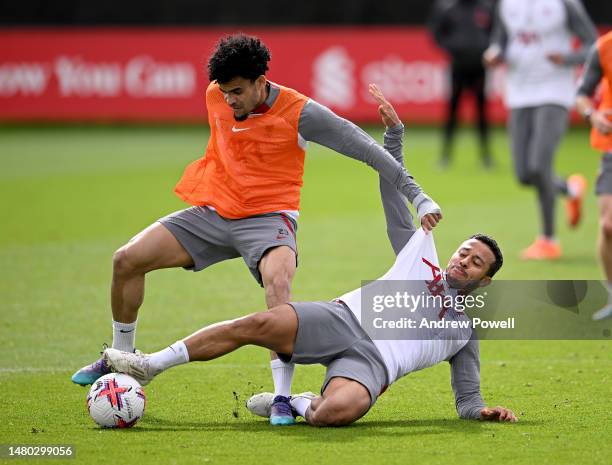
(599, 70)
(245, 195)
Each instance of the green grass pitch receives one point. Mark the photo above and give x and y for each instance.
(70, 196)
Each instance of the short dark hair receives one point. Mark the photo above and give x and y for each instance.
(492, 244)
(238, 55)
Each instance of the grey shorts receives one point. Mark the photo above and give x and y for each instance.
(603, 185)
(328, 333)
(209, 238)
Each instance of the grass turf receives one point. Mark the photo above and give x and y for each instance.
(71, 196)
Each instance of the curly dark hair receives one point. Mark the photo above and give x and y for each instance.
(238, 55)
(492, 244)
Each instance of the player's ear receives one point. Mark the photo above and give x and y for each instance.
(260, 81)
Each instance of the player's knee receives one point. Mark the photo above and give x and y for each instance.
(524, 179)
(251, 328)
(124, 261)
(533, 177)
(278, 285)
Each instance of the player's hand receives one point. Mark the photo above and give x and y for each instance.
(600, 120)
(429, 221)
(386, 110)
(492, 57)
(498, 414)
(428, 211)
(556, 58)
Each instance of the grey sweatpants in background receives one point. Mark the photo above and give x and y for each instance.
(535, 133)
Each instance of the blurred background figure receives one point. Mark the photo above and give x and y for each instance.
(598, 70)
(462, 28)
(534, 38)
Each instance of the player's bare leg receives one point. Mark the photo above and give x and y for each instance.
(277, 268)
(343, 402)
(151, 249)
(274, 330)
(605, 250)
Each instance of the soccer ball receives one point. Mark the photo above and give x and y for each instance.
(116, 401)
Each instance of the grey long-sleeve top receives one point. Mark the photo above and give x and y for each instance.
(465, 364)
(592, 73)
(319, 124)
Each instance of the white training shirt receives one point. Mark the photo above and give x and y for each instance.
(404, 356)
(536, 28)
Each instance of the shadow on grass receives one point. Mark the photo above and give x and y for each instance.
(382, 428)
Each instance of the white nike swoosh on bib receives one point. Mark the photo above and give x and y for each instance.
(235, 129)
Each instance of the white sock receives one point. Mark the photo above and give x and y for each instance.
(124, 335)
(176, 354)
(282, 375)
(301, 404)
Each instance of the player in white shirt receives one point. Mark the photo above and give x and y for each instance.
(534, 39)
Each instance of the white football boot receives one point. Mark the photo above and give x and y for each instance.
(261, 404)
(137, 365)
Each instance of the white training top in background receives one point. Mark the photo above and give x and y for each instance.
(536, 28)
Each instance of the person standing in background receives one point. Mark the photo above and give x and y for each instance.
(462, 28)
(598, 70)
(534, 38)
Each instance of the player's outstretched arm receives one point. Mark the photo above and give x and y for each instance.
(465, 380)
(400, 226)
(321, 125)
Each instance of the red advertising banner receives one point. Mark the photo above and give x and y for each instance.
(160, 74)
